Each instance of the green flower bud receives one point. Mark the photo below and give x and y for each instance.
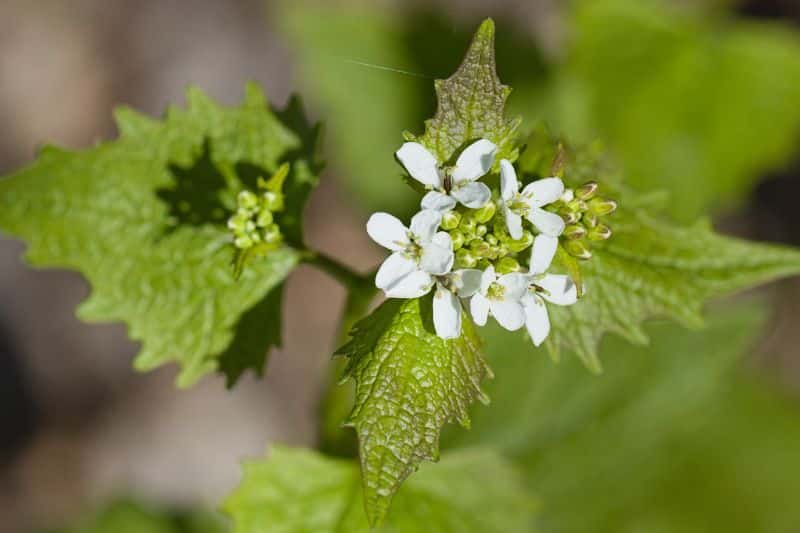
(571, 217)
(264, 218)
(578, 249)
(479, 247)
(467, 225)
(450, 220)
(465, 259)
(273, 201)
(480, 230)
(272, 234)
(243, 242)
(522, 243)
(574, 232)
(458, 239)
(600, 233)
(589, 220)
(577, 205)
(483, 264)
(485, 213)
(507, 265)
(247, 199)
(491, 239)
(586, 191)
(601, 206)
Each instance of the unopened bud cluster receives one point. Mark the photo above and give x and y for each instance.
(480, 239)
(253, 223)
(583, 212)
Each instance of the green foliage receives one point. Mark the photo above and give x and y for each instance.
(301, 491)
(471, 105)
(409, 383)
(143, 219)
(692, 102)
(127, 516)
(670, 438)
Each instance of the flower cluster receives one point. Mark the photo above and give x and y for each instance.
(490, 249)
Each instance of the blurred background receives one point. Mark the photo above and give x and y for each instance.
(698, 432)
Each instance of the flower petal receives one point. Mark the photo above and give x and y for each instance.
(424, 224)
(544, 191)
(472, 195)
(388, 231)
(446, 313)
(475, 161)
(393, 269)
(537, 322)
(414, 285)
(468, 281)
(438, 202)
(509, 186)
(516, 285)
(544, 248)
(437, 256)
(560, 289)
(420, 164)
(547, 222)
(479, 307)
(487, 278)
(508, 314)
(513, 223)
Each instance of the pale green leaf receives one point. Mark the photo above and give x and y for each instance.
(409, 383)
(471, 105)
(672, 437)
(301, 491)
(143, 219)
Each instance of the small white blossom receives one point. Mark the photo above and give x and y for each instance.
(446, 301)
(450, 185)
(419, 253)
(529, 202)
(554, 288)
(501, 297)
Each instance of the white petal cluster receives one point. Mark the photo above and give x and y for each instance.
(422, 257)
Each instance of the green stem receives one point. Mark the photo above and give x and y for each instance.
(337, 398)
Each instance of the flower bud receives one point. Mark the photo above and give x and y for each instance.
(522, 243)
(578, 249)
(507, 265)
(483, 264)
(568, 196)
(587, 190)
(467, 226)
(574, 232)
(601, 206)
(485, 213)
(243, 242)
(577, 206)
(450, 220)
(264, 218)
(273, 201)
(247, 199)
(272, 234)
(458, 239)
(589, 220)
(479, 247)
(600, 233)
(465, 259)
(570, 217)
(491, 239)
(480, 230)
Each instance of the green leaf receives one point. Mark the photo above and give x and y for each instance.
(650, 267)
(298, 491)
(698, 104)
(471, 105)
(409, 383)
(143, 219)
(673, 437)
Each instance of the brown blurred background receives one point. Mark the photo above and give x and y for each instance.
(76, 424)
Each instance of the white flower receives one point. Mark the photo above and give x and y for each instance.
(450, 185)
(529, 202)
(419, 253)
(500, 296)
(554, 288)
(446, 301)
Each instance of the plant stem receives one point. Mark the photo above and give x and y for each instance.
(339, 271)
